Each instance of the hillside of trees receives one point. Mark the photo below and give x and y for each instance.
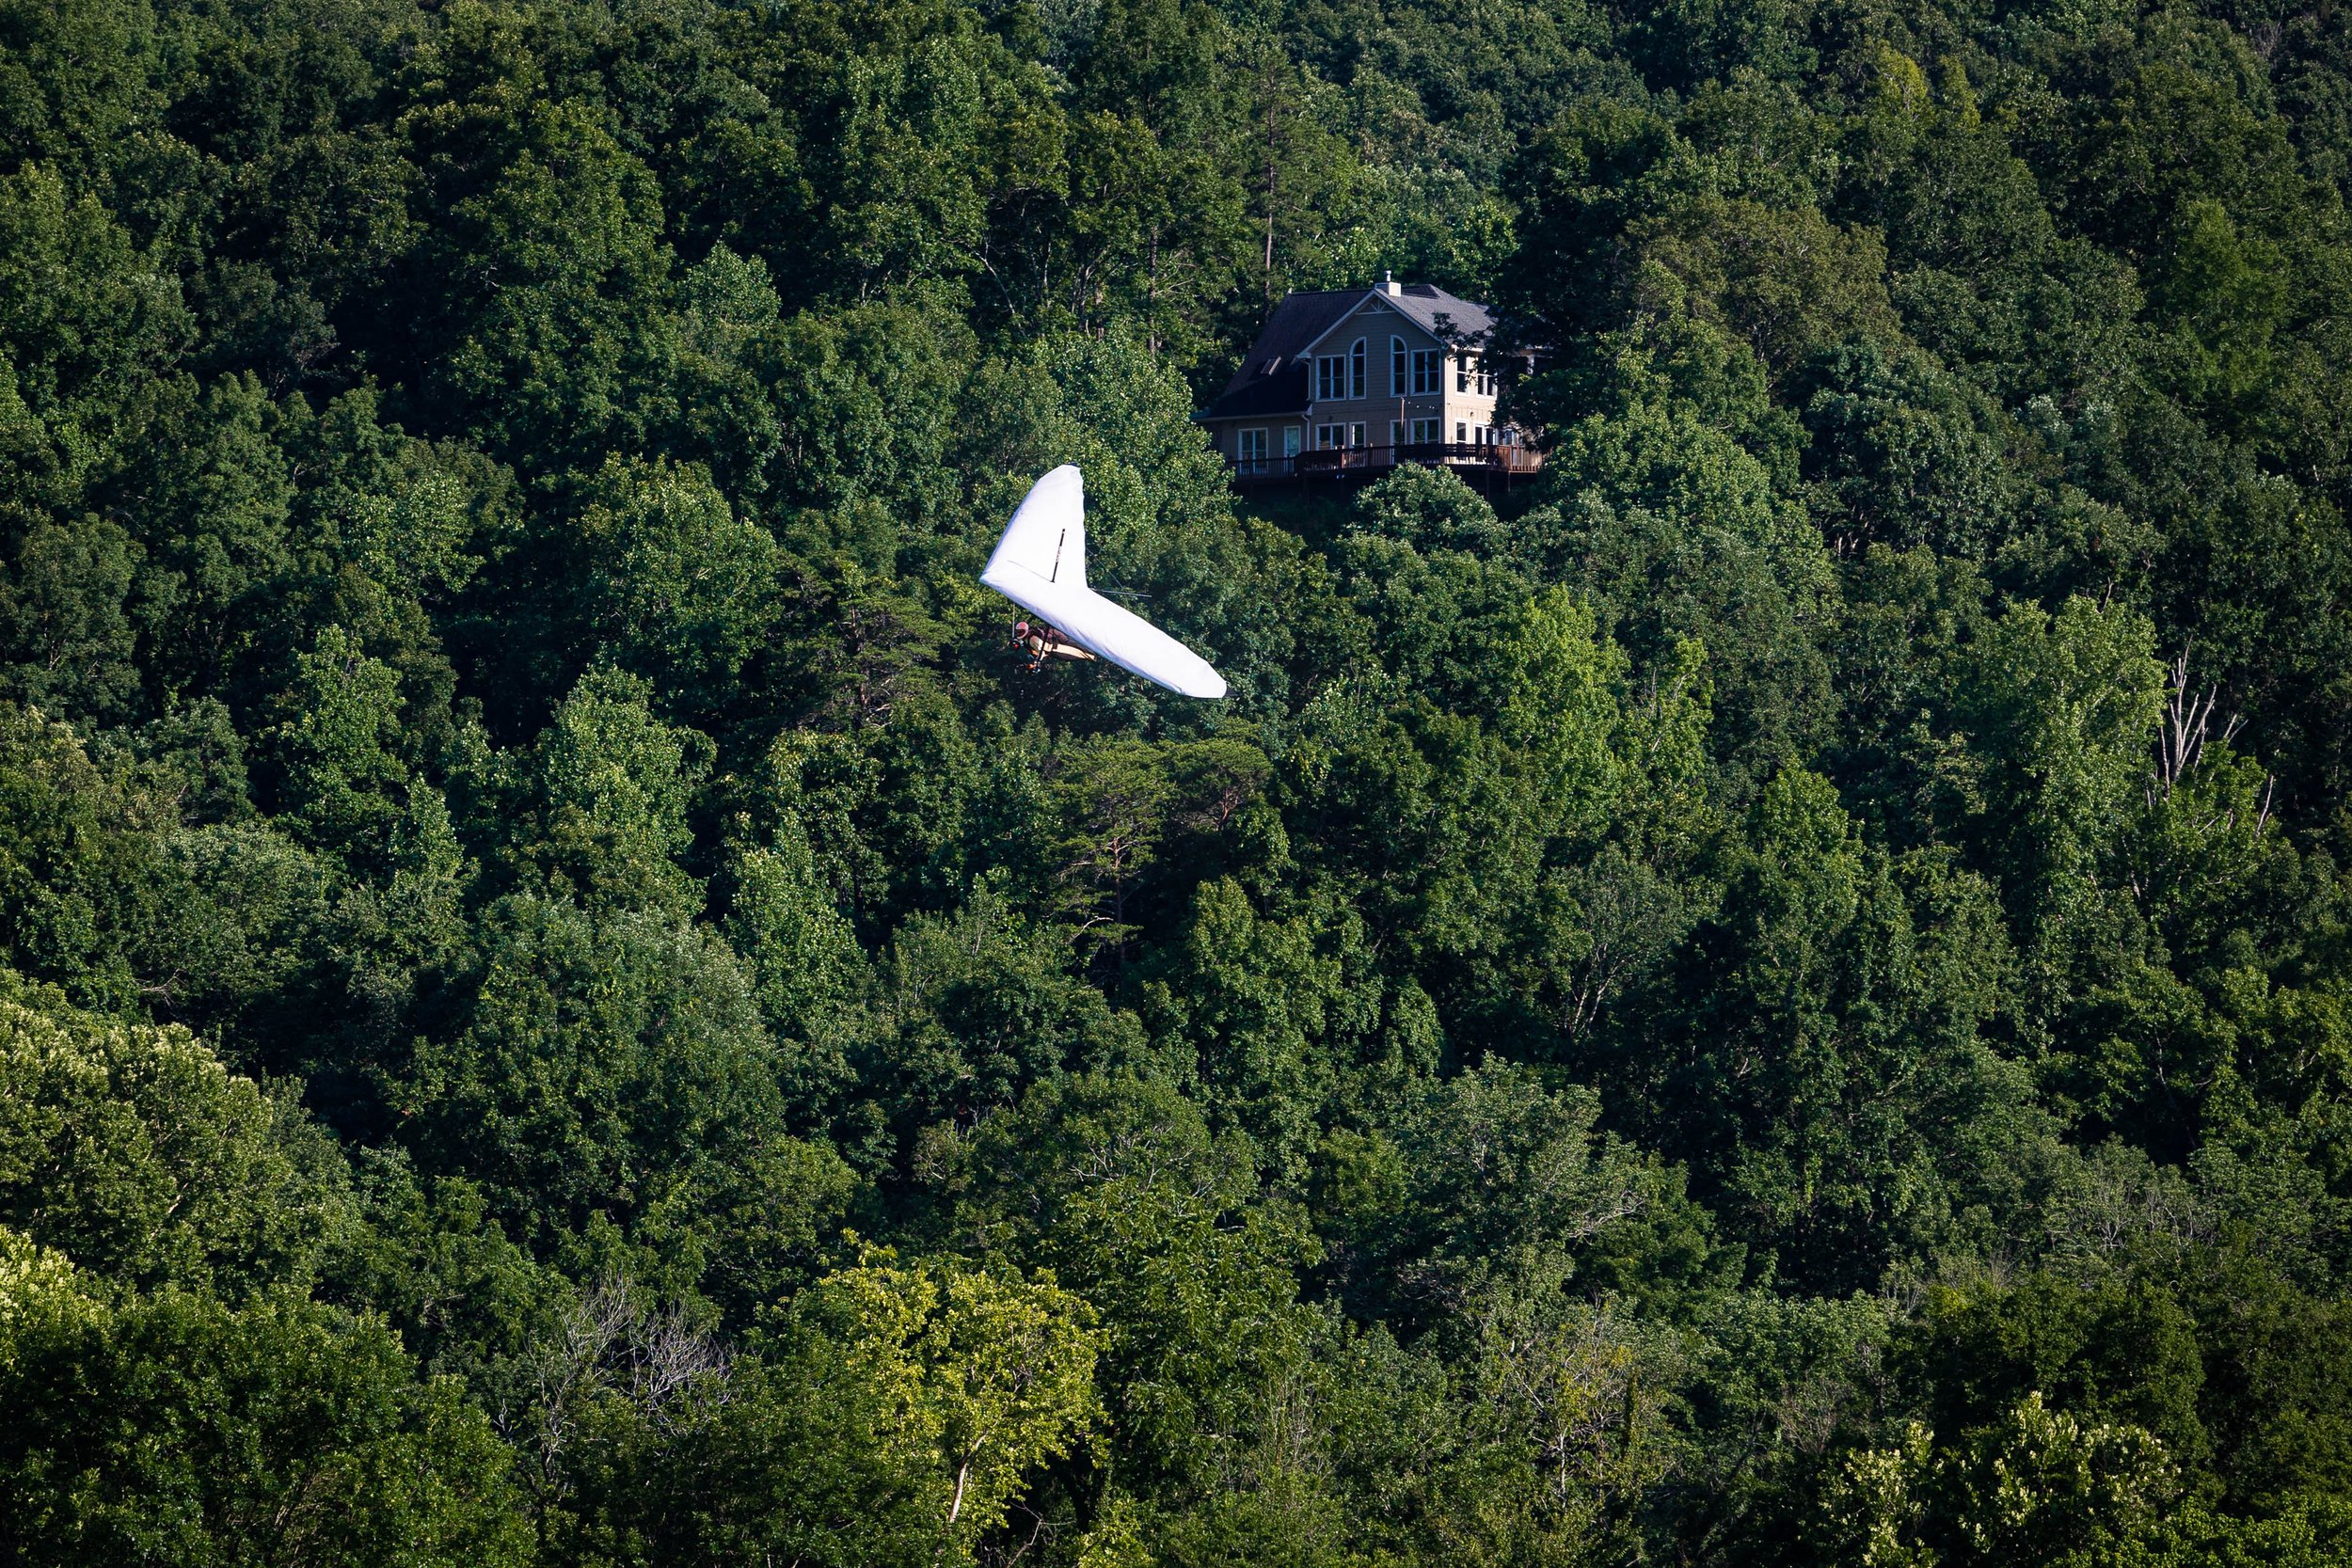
(1778, 996)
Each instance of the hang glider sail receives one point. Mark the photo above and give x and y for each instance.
(1041, 565)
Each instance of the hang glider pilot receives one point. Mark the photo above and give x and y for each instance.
(1041, 642)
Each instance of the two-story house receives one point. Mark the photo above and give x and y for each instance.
(1350, 382)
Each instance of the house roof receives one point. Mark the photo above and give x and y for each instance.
(1282, 390)
(1272, 378)
(1445, 316)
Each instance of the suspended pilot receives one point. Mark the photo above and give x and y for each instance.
(1041, 642)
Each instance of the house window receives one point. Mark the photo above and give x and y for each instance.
(1425, 433)
(1396, 367)
(1249, 450)
(1396, 432)
(1330, 377)
(1358, 381)
(1290, 435)
(1471, 374)
(1461, 434)
(1327, 437)
(1424, 370)
(1355, 435)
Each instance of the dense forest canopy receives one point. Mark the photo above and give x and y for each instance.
(1781, 995)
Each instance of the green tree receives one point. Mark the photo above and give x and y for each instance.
(982, 1379)
(132, 1151)
(673, 583)
(607, 788)
(335, 745)
(555, 336)
(192, 1430)
(614, 1064)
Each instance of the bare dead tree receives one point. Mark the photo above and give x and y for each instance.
(606, 1343)
(669, 1360)
(2184, 731)
(2187, 722)
(2182, 735)
(561, 1370)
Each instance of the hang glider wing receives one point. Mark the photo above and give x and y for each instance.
(1041, 565)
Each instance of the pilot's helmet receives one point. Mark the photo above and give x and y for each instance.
(1021, 628)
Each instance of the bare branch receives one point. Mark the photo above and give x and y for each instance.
(2181, 736)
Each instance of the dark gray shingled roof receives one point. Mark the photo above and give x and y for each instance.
(1273, 378)
(1449, 316)
(1279, 391)
(1273, 374)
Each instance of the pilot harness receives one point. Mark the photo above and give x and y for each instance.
(1041, 642)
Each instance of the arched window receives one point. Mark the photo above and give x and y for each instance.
(1357, 376)
(1396, 367)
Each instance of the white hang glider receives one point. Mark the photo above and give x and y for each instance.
(1041, 565)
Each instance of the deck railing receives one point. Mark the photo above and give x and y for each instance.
(1333, 462)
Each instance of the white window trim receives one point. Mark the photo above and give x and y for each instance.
(1428, 373)
(1330, 377)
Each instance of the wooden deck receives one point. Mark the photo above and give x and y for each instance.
(1480, 465)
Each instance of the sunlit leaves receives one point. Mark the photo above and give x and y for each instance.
(132, 1149)
(980, 1378)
